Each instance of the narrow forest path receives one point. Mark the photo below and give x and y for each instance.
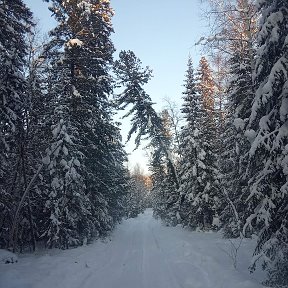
(142, 253)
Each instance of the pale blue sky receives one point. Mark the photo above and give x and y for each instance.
(162, 33)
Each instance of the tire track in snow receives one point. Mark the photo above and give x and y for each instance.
(162, 260)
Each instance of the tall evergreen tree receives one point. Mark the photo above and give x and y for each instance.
(145, 120)
(206, 85)
(234, 156)
(199, 183)
(165, 193)
(206, 200)
(267, 131)
(85, 158)
(15, 22)
(191, 150)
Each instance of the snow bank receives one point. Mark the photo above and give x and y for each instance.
(7, 257)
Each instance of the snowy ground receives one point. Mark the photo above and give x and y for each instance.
(142, 253)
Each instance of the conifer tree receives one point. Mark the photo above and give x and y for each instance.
(206, 199)
(15, 22)
(191, 148)
(164, 191)
(206, 85)
(145, 120)
(86, 155)
(267, 131)
(234, 156)
(135, 199)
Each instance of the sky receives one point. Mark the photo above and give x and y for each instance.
(162, 33)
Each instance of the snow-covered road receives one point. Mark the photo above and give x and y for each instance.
(142, 253)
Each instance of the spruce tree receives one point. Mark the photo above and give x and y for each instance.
(191, 149)
(164, 191)
(206, 199)
(267, 131)
(234, 156)
(15, 22)
(86, 155)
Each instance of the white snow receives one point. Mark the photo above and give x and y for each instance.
(55, 183)
(87, 7)
(77, 162)
(7, 257)
(141, 253)
(46, 160)
(216, 221)
(284, 109)
(65, 150)
(56, 131)
(250, 135)
(74, 43)
(239, 123)
(75, 92)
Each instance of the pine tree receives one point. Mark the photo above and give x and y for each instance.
(145, 120)
(267, 131)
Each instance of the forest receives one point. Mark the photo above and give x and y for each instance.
(63, 174)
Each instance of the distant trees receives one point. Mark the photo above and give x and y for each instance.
(137, 198)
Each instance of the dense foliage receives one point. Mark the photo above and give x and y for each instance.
(62, 178)
(233, 164)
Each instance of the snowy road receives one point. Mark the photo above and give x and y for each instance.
(142, 253)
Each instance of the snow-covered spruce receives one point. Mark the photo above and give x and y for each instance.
(15, 23)
(85, 175)
(236, 144)
(198, 193)
(268, 163)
